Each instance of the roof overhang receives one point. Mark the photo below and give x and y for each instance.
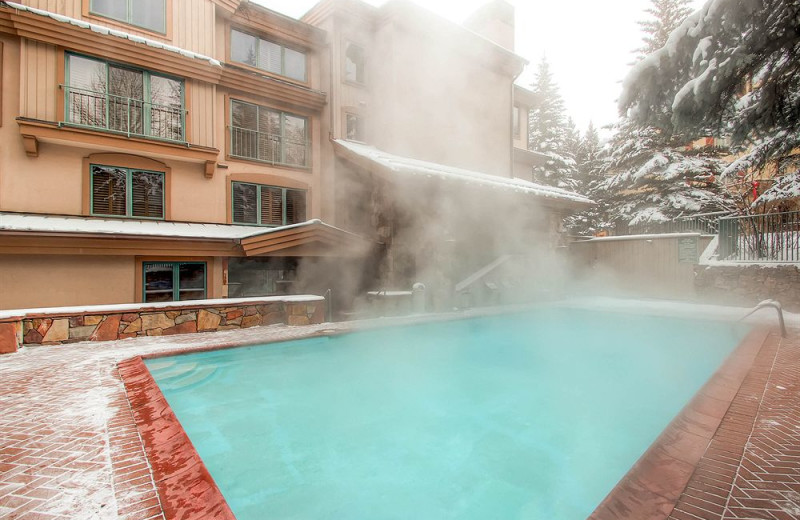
(314, 238)
(394, 168)
(22, 233)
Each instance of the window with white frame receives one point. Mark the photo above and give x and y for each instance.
(147, 14)
(126, 192)
(354, 127)
(266, 55)
(267, 205)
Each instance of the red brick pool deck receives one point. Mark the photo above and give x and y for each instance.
(70, 447)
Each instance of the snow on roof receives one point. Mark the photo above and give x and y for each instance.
(408, 166)
(106, 31)
(16, 222)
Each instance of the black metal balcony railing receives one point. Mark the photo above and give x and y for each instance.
(270, 148)
(772, 237)
(706, 223)
(130, 116)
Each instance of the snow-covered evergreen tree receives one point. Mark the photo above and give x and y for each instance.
(548, 133)
(652, 179)
(731, 67)
(652, 175)
(589, 161)
(665, 16)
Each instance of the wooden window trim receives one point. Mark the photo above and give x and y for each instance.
(263, 180)
(353, 111)
(259, 204)
(88, 15)
(124, 161)
(246, 30)
(2, 90)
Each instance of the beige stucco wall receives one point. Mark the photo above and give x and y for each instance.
(440, 103)
(47, 281)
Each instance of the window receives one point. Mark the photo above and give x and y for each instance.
(174, 281)
(266, 55)
(122, 99)
(126, 192)
(267, 205)
(268, 135)
(354, 63)
(515, 118)
(147, 14)
(354, 128)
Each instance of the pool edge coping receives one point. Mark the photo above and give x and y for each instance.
(643, 493)
(653, 486)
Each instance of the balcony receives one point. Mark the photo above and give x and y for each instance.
(123, 115)
(269, 148)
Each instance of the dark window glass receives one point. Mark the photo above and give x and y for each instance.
(109, 191)
(174, 281)
(354, 63)
(127, 193)
(266, 55)
(268, 135)
(245, 203)
(122, 99)
(267, 205)
(355, 127)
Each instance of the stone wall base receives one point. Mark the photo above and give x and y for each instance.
(749, 284)
(103, 324)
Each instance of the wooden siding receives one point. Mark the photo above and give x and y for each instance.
(192, 29)
(200, 103)
(648, 266)
(38, 81)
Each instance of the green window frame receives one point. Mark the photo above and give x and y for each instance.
(264, 205)
(133, 12)
(263, 134)
(174, 281)
(267, 55)
(118, 98)
(126, 192)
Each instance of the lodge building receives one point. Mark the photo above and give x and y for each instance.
(191, 149)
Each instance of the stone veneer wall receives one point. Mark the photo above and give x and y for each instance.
(749, 284)
(107, 323)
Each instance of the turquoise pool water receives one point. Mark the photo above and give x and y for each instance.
(533, 415)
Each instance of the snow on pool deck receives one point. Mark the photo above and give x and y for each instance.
(69, 447)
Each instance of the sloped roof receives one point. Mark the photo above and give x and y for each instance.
(365, 156)
(313, 237)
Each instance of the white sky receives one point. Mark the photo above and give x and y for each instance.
(587, 42)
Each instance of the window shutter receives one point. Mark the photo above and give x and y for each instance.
(147, 193)
(271, 206)
(108, 191)
(245, 209)
(295, 206)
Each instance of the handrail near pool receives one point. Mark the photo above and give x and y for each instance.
(775, 305)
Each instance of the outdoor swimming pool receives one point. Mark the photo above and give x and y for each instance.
(531, 415)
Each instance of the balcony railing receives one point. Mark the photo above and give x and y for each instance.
(771, 237)
(269, 148)
(706, 223)
(129, 116)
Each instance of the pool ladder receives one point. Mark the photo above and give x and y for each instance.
(775, 305)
